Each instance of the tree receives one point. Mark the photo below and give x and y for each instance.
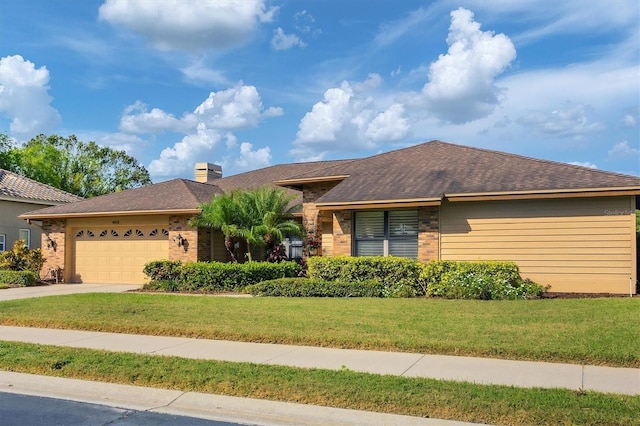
(221, 213)
(84, 169)
(259, 218)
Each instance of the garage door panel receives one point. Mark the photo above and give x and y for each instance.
(103, 256)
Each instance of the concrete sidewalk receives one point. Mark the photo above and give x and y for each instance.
(475, 370)
(62, 289)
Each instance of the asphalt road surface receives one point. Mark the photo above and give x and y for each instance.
(25, 410)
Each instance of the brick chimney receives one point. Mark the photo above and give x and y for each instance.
(206, 172)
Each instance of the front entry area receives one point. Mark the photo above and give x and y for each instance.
(116, 254)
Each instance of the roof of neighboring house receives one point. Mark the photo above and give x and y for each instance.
(436, 169)
(20, 188)
(177, 195)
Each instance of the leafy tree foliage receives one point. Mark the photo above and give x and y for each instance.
(257, 218)
(82, 168)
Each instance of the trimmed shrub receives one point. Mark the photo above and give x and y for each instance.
(18, 278)
(311, 287)
(400, 276)
(214, 276)
(162, 270)
(168, 286)
(484, 280)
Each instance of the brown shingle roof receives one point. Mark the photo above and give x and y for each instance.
(174, 195)
(19, 187)
(269, 175)
(433, 169)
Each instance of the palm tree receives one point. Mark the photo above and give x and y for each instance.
(221, 213)
(273, 210)
(260, 217)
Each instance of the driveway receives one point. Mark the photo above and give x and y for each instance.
(60, 289)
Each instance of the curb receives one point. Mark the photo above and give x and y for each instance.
(200, 405)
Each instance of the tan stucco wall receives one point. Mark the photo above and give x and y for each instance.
(574, 244)
(10, 224)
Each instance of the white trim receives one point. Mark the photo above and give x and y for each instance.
(28, 236)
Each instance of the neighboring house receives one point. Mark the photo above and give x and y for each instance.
(569, 227)
(18, 195)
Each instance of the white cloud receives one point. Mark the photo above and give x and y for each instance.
(120, 141)
(25, 99)
(571, 120)
(390, 125)
(283, 41)
(198, 73)
(583, 164)
(250, 159)
(622, 150)
(461, 84)
(305, 22)
(348, 119)
(273, 112)
(238, 107)
(212, 121)
(179, 159)
(196, 25)
(392, 32)
(137, 119)
(632, 117)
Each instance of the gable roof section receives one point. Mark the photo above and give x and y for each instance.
(269, 175)
(173, 196)
(16, 187)
(433, 170)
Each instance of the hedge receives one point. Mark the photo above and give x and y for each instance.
(484, 280)
(399, 275)
(18, 278)
(313, 287)
(214, 276)
(344, 276)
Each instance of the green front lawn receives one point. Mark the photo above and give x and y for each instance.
(500, 405)
(581, 331)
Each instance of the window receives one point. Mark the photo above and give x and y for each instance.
(25, 234)
(3, 242)
(387, 233)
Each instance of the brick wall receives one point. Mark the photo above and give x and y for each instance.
(204, 244)
(342, 225)
(428, 233)
(178, 225)
(310, 215)
(54, 256)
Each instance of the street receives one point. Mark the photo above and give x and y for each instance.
(20, 410)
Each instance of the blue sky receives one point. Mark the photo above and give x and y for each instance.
(251, 83)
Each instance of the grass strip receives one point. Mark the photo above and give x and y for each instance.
(344, 389)
(580, 331)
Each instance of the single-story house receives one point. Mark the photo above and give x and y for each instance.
(566, 226)
(19, 195)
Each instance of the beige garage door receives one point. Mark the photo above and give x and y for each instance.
(117, 254)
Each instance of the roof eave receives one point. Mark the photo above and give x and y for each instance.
(379, 204)
(105, 214)
(31, 200)
(545, 193)
(297, 183)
